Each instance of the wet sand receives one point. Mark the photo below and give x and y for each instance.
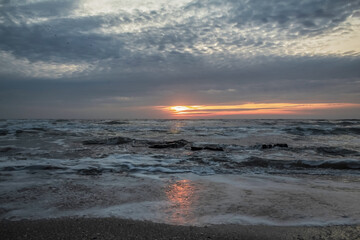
(113, 228)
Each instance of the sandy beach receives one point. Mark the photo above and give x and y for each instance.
(112, 228)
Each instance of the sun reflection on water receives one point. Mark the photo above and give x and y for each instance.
(175, 127)
(182, 195)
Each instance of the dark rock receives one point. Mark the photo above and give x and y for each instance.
(3, 132)
(268, 146)
(172, 144)
(283, 145)
(213, 148)
(193, 148)
(109, 141)
(207, 147)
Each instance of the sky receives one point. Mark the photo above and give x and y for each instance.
(179, 59)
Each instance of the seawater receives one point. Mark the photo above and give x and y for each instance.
(187, 172)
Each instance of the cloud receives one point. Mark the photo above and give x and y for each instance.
(253, 109)
(39, 69)
(218, 91)
(197, 28)
(190, 50)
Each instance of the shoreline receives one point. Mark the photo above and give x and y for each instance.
(115, 228)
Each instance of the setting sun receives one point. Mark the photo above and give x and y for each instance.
(179, 108)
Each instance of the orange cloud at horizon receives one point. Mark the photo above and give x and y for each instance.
(252, 109)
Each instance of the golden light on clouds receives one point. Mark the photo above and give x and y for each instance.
(253, 109)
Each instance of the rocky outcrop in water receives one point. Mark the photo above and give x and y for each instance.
(277, 145)
(212, 147)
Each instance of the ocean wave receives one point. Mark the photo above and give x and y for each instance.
(296, 164)
(301, 131)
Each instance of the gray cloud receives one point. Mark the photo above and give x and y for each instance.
(292, 16)
(265, 50)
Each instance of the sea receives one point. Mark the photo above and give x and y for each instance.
(183, 172)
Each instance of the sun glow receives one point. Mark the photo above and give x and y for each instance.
(179, 109)
(253, 109)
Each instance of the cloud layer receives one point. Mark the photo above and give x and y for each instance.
(175, 52)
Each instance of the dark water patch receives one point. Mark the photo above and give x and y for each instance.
(38, 129)
(25, 131)
(90, 171)
(33, 168)
(4, 132)
(62, 133)
(62, 120)
(352, 130)
(114, 122)
(319, 131)
(170, 144)
(220, 159)
(5, 149)
(12, 168)
(197, 159)
(108, 141)
(300, 164)
(44, 167)
(332, 164)
(335, 151)
(158, 130)
(348, 123)
(146, 168)
(305, 131)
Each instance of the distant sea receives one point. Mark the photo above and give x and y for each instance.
(184, 172)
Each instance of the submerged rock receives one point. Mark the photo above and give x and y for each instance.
(280, 145)
(172, 144)
(213, 148)
(283, 145)
(196, 148)
(108, 141)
